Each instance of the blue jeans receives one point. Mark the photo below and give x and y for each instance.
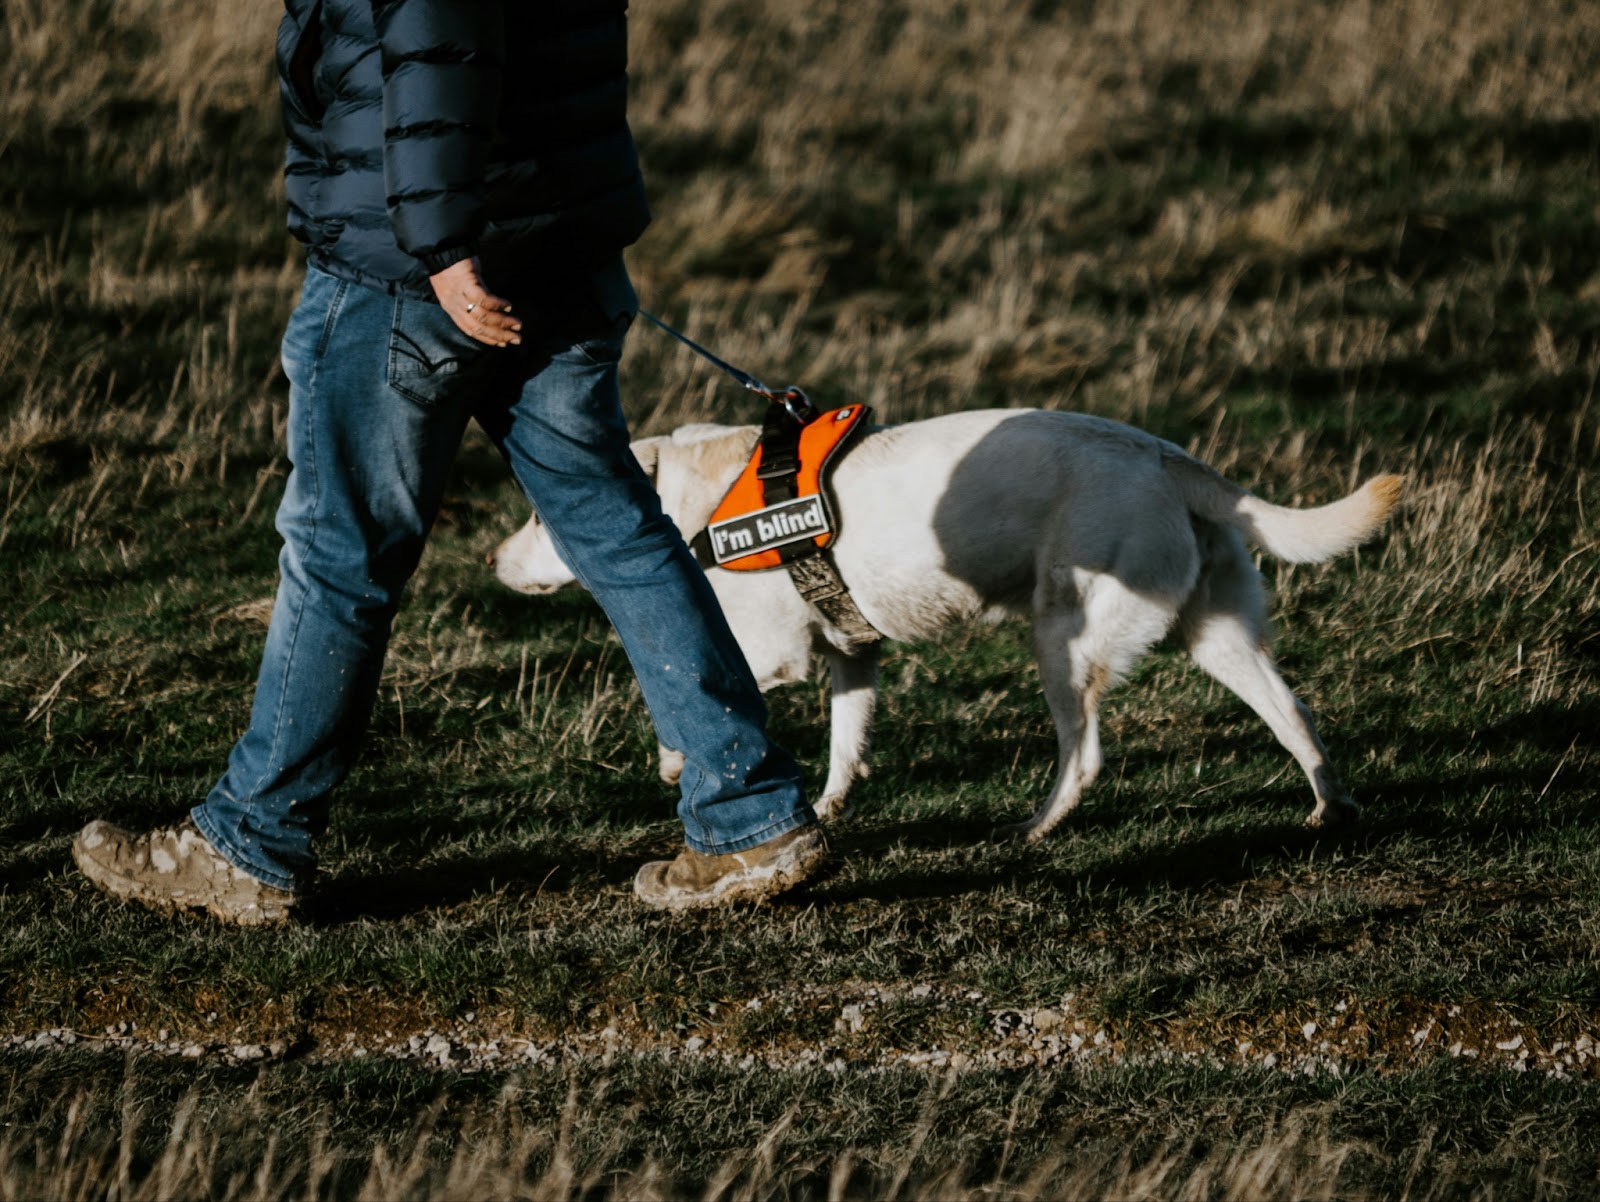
(381, 390)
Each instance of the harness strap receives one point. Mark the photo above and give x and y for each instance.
(780, 455)
(780, 470)
(817, 580)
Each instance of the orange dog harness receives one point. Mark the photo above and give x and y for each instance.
(778, 510)
(778, 513)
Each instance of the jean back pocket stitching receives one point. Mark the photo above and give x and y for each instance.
(405, 349)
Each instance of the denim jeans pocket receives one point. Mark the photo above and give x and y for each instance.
(430, 358)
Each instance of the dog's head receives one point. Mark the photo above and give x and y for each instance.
(690, 468)
(529, 562)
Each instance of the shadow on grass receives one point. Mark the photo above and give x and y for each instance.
(407, 891)
(983, 857)
(1197, 864)
(1194, 864)
(970, 854)
(552, 865)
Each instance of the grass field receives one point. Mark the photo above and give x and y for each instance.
(1310, 242)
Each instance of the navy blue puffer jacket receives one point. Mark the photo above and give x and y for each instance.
(422, 132)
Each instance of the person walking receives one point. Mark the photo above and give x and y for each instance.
(464, 179)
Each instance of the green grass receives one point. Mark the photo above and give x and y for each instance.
(1308, 250)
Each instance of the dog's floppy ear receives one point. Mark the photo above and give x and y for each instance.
(697, 465)
(717, 452)
(648, 452)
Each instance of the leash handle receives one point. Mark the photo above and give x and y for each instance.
(792, 398)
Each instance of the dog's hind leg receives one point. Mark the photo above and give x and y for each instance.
(854, 680)
(1224, 627)
(1082, 651)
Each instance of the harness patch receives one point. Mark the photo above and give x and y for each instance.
(778, 510)
(775, 526)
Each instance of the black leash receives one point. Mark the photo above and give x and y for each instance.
(791, 398)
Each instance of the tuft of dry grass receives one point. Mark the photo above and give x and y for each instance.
(496, 1149)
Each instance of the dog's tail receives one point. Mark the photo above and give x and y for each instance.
(1292, 535)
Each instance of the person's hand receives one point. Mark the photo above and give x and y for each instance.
(480, 315)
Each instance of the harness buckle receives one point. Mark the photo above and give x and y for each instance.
(788, 413)
(777, 464)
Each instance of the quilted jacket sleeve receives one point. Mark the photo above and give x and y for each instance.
(442, 64)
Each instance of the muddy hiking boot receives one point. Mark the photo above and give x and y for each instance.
(176, 868)
(694, 881)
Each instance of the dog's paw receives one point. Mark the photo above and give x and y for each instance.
(1017, 832)
(833, 809)
(1331, 816)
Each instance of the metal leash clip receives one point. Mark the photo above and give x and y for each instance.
(798, 404)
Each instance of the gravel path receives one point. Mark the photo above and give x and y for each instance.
(1346, 1038)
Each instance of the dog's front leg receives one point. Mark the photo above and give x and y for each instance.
(669, 764)
(854, 680)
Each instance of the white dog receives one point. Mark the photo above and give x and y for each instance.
(1108, 536)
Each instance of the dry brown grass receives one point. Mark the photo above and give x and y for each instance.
(499, 1152)
(1311, 241)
